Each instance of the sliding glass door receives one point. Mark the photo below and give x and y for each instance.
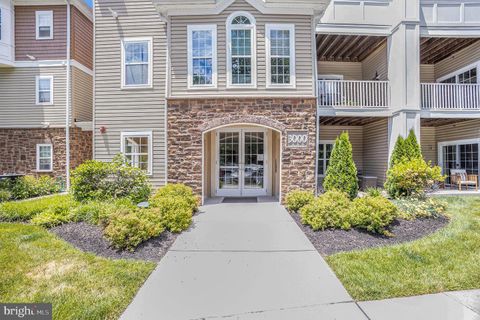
(460, 156)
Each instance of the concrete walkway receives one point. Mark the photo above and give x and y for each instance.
(251, 261)
(243, 261)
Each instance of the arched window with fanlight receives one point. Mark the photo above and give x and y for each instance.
(241, 64)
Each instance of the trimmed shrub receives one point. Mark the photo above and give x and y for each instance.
(341, 172)
(25, 210)
(412, 177)
(398, 154)
(29, 187)
(129, 228)
(374, 192)
(331, 210)
(412, 147)
(56, 214)
(99, 212)
(175, 190)
(373, 213)
(297, 199)
(413, 208)
(96, 180)
(175, 213)
(5, 195)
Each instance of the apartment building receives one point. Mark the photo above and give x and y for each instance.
(46, 68)
(245, 97)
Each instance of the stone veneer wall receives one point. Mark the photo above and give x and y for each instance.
(18, 149)
(189, 118)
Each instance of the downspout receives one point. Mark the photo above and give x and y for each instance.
(67, 111)
(316, 19)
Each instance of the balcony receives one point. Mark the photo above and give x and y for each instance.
(450, 96)
(353, 94)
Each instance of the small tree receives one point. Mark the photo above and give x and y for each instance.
(412, 147)
(398, 154)
(341, 172)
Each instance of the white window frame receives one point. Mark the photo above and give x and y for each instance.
(190, 30)
(147, 134)
(37, 24)
(38, 156)
(324, 142)
(291, 28)
(253, 45)
(37, 88)
(460, 71)
(1, 24)
(149, 84)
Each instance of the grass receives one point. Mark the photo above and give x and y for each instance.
(444, 261)
(36, 266)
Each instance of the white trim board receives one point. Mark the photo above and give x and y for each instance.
(52, 63)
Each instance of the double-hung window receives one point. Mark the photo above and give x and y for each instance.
(44, 25)
(241, 50)
(280, 55)
(136, 62)
(202, 56)
(44, 90)
(44, 157)
(137, 148)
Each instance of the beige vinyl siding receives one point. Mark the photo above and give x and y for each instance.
(458, 60)
(376, 63)
(130, 109)
(82, 95)
(429, 144)
(375, 150)
(356, 138)
(427, 73)
(459, 131)
(17, 98)
(303, 45)
(349, 70)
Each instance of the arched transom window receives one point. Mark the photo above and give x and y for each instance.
(241, 49)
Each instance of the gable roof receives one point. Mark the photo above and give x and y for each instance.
(213, 7)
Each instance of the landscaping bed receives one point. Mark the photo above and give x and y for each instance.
(331, 241)
(89, 238)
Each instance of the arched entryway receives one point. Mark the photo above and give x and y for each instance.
(241, 159)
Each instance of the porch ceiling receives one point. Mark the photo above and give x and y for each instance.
(346, 48)
(433, 50)
(347, 121)
(437, 122)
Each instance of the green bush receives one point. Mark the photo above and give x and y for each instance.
(342, 172)
(99, 212)
(128, 228)
(175, 190)
(96, 180)
(29, 187)
(413, 207)
(297, 199)
(406, 149)
(5, 195)
(330, 210)
(56, 214)
(27, 209)
(411, 178)
(175, 213)
(373, 213)
(374, 192)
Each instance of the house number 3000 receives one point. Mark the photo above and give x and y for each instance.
(297, 139)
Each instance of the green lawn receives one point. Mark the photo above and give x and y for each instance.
(446, 260)
(36, 266)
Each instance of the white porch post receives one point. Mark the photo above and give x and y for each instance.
(404, 72)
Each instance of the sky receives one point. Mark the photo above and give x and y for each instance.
(88, 2)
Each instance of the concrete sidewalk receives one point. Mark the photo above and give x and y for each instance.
(243, 261)
(251, 261)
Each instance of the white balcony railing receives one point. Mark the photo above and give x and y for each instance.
(353, 94)
(444, 96)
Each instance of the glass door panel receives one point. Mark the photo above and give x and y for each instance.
(449, 160)
(468, 159)
(254, 160)
(229, 164)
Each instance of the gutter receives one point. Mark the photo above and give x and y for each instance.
(67, 104)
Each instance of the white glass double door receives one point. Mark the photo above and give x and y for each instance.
(241, 162)
(459, 155)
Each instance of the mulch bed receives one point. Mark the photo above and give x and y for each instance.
(332, 241)
(89, 238)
